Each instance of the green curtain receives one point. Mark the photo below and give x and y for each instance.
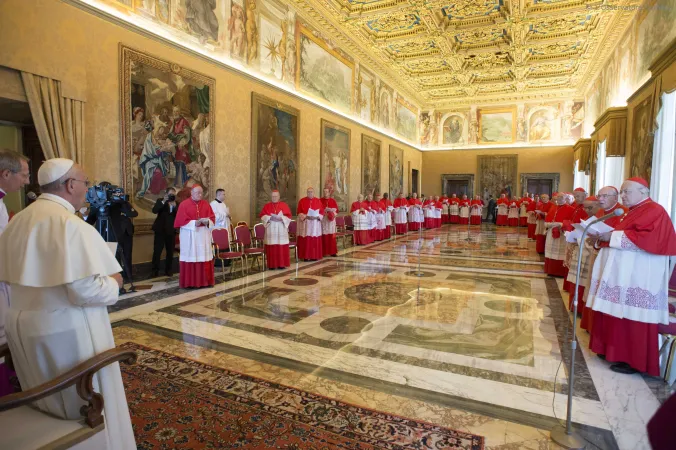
(203, 99)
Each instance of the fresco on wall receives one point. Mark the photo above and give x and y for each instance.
(454, 130)
(274, 152)
(407, 120)
(577, 121)
(655, 32)
(324, 72)
(543, 125)
(370, 165)
(276, 41)
(335, 171)
(167, 131)
(366, 96)
(496, 126)
(385, 107)
(396, 171)
(642, 140)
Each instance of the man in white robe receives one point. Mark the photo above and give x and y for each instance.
(221, 211)
(63, 276)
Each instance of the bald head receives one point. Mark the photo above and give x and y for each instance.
(633, 193)
(579, 197)
(274, 196)
(544, 198)
(608, 197)
(310, 193)
(591, 207)
(196, 193)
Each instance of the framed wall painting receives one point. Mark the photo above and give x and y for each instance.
(167, 130)
(335, 163)
(396, 172)
(497, 126)
(275, 129)
(370, 165)
(642, 136)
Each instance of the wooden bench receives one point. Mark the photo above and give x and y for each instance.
(24, 427)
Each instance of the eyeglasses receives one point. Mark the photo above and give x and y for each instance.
(627, 191)
(86, 182)
(606, 195)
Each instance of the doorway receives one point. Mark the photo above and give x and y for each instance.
(459, 184)
(414, 181)
(539, 183)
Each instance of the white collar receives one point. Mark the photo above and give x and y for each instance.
(56, 199)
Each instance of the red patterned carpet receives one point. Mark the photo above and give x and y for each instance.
(180, 403)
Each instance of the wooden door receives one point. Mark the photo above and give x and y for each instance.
(414, 181)
(540, 187)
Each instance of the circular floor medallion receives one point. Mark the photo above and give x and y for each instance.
(346, 325)
(300, 281)
(384, 294)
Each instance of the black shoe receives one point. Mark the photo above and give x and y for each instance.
(623, 368)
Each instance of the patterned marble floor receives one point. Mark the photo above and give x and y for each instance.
(454, 328)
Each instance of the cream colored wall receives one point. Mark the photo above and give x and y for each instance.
(530, 160)
(54, 39)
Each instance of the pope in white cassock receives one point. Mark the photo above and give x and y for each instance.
(62, 277)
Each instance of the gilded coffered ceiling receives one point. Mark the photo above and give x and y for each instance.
(446, 53)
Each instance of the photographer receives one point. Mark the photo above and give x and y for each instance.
(121, 212)
(165, 233)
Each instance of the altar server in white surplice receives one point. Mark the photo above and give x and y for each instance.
(62, 276)
(221, 211)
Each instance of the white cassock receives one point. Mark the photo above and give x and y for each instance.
(58, 267)
(222, 213)
(388, 216)
(4, 288)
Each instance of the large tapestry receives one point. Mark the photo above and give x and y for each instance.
(642, 140)
(370, 165)
(167, 130)
(274, 152)
(335, 169)
(323, 72)
(396, 172)
(497, 173)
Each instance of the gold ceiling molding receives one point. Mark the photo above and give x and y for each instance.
(488, 51)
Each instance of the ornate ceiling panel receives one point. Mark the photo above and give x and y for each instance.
(444, 53)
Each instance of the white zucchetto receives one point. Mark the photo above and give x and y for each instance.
(53, 169)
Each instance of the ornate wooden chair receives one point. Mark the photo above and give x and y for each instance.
(259, 234)
(293, 230)
(243, 236)
(668, 350)
(341, 232)
(27, 428)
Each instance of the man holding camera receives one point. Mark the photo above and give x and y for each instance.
(165, 233)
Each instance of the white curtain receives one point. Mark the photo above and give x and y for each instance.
(601, 165)
(580, 179)
(663, 172)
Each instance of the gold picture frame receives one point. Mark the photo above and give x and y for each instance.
(131, 147)
(486, 113)
(282, 143)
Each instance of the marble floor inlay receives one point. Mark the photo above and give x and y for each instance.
(449, 323)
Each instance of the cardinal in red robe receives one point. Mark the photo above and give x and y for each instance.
(415, 213)
(530, 221)
(629, 287)
(329, 245)
(476, 207)
(464, 210)
(541, 211)
(572, 249)
(454, 209)
(360, 221)
(276, 217)
(309, 240)
(555, 244)
(400, 214)
(428, 208)
(195, 218)
(387, 207)
(445, 211)
(503, 210)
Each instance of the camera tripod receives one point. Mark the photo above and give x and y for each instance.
(103, 226)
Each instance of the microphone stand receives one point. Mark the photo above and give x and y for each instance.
(565, 436)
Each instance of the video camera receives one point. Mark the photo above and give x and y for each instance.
(102, 195)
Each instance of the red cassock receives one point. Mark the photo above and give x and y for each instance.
(523, 221)
(276, 254)
(502, 218)
(531, 226)
(462, 204)
(558, 214)
(384, 203)
(445, 218)
(400, 228)
(513, 221)
(361, 236)
(648, 227)
(309, 242)
(378, 234)
(541, 237)
(329, 245)
(455, 218)
(475, 220)
(195, 273)
(579, 214)
(413, 225)
(429, 220)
